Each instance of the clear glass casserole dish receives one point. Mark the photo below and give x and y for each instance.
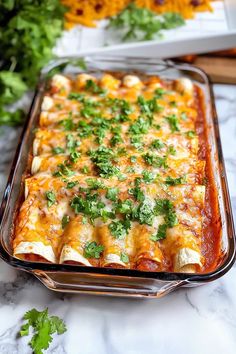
(109, 281)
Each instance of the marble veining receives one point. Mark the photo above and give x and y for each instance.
(193, 321)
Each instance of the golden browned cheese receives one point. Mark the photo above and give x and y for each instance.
(116, 179)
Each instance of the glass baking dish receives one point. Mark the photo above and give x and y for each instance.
(108, 281)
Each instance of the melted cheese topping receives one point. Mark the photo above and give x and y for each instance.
(116, 179)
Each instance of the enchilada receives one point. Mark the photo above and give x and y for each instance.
(118, 176)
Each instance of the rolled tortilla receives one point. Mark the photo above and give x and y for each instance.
(74, 240)
(148, 256)
(113, 248)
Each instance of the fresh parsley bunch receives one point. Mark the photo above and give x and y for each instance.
(44, 326)
(28, 32)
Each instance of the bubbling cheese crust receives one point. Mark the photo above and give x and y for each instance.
(116, 179)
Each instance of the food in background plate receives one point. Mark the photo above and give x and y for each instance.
(120, 177)
(86, 12)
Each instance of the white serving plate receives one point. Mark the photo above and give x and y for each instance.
(207, 32)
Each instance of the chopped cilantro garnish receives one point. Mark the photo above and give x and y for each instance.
(65, 221)
(119, 105)
(173, 123)
(137, 193)
(72, 143)
(171, 150)
(67, 124)
(93, 87)
(175, 181)
(76, 96)
(121, 177)
(140, 126)
(159, 92)
(85, 170)
(84, 220)
(156, 161)
(130, 169)
(88, 111)
(93, 250)
(94, 183)
(119, 229)
(157, 126)
(148, 107)
(102, 158)
(89, 205)
(116, 139)
(58, 150)
(157, 144)
(112, 194)
(191, 134)
(74, 156)
(124, 257)
(124, 207)
(148, 177)
(136, 142)
(161, 233)
(133, 159)
(84, 129)
(71, 184)
(183, 116)
(121, 151)
(164, 207)
(51, 198)
(63, 169)
(144, 213)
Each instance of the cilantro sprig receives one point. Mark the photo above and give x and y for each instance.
(142, 24)
(44, 326)
(51, 198)
(93, 250)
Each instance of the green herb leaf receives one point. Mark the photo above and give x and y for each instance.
(175, 181)
(93, 250)
(119, 229)
(43, 327)
(156, 161)
(112, 194)
(71, 184)
(76, 96)
(142, 23)
(157, 144)
(51, 198)
(35, 27)
(161, 233)
(12, 87)
(67, 124)
(93, 87)
(148, 177)
(94, 183)
(65, 221)
(191, 134)
(63, 169)
(173, 123)
(124, 257)
(58, 150)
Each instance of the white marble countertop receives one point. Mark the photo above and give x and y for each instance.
(192, 321)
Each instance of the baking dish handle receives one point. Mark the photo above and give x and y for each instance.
(102, 284)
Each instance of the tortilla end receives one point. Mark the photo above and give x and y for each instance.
(36, 248)
(187, 261)
(70, 254)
